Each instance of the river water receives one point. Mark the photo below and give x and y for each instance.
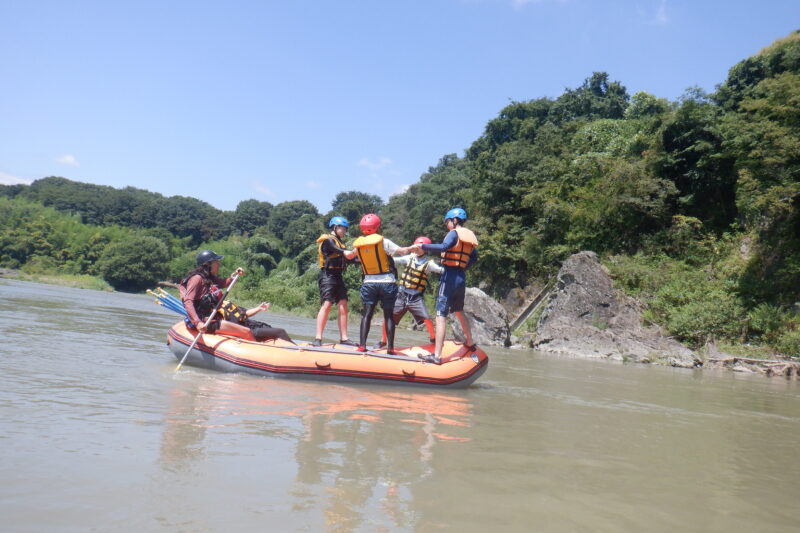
(97, 433)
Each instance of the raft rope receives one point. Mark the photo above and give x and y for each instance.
(165, 299)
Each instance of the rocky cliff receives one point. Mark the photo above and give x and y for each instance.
(586, 317)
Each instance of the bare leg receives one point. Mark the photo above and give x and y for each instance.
(322, 317)
(441, 325)
(465, 326)
(343, 320)
(235, 330)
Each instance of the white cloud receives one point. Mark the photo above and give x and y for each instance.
(382, 162)
(266, 191)
(8, 179)
(313, 184)
(68, 159)
(659, 18)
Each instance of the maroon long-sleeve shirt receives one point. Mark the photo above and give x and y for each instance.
(195, 289)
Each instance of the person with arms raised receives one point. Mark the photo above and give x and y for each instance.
(458, 251)
(380, 281)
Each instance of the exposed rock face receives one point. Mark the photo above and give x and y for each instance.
(587, 317)
(488, 320)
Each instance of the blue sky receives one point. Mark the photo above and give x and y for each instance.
(289, 100)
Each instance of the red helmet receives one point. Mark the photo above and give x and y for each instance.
(370, 224)
(422, 240)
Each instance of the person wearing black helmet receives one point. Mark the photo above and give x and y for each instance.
(458, 251)
(200, 300)
(333, 260)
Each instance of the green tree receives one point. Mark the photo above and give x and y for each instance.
(285, 213)
(135, 264)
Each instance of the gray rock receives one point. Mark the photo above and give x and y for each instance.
(586, 317)
(488, 320)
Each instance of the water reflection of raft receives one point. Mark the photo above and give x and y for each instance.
(459, 367)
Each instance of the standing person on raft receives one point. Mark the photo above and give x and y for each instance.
(333, 260)
(459, 252)
(380, 277)
(200, 294)
(413, 284)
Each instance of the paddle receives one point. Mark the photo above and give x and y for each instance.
(208, 320)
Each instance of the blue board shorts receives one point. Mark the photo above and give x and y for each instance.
(452, 287)
(385, 293)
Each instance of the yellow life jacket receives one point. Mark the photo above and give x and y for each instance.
(372, 255)
(232, 312)
(458, 255)
(335, 260)
(415, 276)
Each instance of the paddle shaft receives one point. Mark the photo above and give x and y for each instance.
(208, 320)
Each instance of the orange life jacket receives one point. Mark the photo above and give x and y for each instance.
(458, 255)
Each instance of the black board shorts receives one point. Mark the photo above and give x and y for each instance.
(331, 287)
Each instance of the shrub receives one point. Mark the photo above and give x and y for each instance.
(134, 264)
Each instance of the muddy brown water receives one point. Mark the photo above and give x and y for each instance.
(97, 433)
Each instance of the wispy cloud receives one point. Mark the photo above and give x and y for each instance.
(8, 179)
(382, 162)
(659, 18)
(68, 159)
(311, 184)
(266, 191)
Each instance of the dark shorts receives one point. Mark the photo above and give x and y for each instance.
(413, 303)
(452, 286)
(385, 293)
(331, 288)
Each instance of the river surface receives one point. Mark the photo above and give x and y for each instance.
(98, 433)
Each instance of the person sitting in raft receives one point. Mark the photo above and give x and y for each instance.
(333, 260)
(261, 330)
(459, 252)
(413, 283)
(199, 300)
(380, 280)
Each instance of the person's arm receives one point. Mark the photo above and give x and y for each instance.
(434, 267)
(472, 257)
(403, 260)
(329, 247)
(194, 290)
(449, 241)
(255, 310)
(393, 249)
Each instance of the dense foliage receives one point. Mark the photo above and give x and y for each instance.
(694, 203)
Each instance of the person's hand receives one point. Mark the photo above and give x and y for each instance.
(238, 272)
(264, 306)
(201, 326)
(349, 254)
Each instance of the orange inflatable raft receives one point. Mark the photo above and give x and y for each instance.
(460, 367)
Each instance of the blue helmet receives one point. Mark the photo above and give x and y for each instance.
(338, 221)
(456, 212)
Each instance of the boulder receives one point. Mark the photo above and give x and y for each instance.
(488, 320)
(586, 317)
